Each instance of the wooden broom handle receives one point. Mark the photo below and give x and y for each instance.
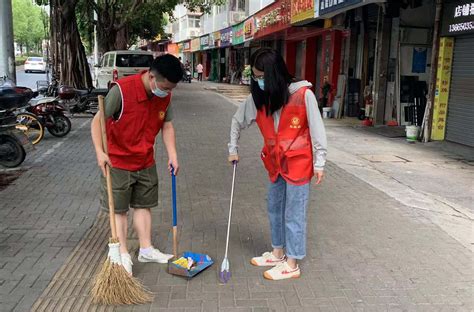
(110, 196)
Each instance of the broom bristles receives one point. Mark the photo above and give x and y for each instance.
(114, 286)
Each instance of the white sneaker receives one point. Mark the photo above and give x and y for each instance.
(154, 256)
(127, 262)
(281, 272)
(267, 259)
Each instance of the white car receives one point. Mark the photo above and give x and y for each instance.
(35, 64)
(117, 64)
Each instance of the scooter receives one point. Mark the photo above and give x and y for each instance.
(187, 76)
(13, 142)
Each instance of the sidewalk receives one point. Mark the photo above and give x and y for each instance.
(367, 250)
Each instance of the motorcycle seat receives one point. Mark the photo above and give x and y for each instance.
(82, 92)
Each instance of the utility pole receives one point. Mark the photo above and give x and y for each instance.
(96, 48)
(7, 50)
(428, 117)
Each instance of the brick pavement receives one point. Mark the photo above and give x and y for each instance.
(44, 214)
(366, 251)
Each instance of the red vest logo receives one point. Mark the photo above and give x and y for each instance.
(162, 115)
(295, 123)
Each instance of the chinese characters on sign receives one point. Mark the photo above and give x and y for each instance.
(458, 18)
(443, 81)
(273, 18)
(301, 10)
(464, 10)
(238, 34)
(249, 28)
(226, 37)
(327, 6)
(205, 42)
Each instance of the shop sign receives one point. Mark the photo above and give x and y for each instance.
(180, 47)
(328, 6)
(458, 18)
(249, 28)
(187, 46)
(173, 49)
(226, 37)
(211, 40)
(238, 34)
(273, 18)
(302, 10)
(195, 45)
(217, 38)
(443, 81)
(205, 42)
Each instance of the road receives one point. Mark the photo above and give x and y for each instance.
(28, 80)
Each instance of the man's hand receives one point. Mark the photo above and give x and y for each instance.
(319, 175)
(173, 164)
(102, 161)
(233, 158)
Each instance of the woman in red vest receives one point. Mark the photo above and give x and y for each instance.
(287, 114)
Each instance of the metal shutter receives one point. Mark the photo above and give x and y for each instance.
(460, 122)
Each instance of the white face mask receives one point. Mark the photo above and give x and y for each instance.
(158, 92)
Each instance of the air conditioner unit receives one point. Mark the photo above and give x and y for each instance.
(236, 17)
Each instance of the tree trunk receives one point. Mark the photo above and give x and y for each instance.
(121, 40)
(70, 64)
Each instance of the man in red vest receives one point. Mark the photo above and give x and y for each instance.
(136, 109)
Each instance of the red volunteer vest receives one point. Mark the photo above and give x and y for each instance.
(131, 138)
(288, 152)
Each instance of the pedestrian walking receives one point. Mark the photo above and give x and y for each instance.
(136, 109)
(286, 111)
(199, 69)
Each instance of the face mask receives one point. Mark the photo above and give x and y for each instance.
(158, 92)
(261, 84)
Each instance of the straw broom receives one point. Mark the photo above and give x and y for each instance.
(113, 285)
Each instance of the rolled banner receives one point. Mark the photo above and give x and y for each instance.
(114, 253)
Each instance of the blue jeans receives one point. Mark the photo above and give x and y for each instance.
(287, 206)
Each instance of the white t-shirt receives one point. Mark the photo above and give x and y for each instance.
(199, 68)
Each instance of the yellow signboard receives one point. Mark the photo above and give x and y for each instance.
(443, 82)
(302, 10)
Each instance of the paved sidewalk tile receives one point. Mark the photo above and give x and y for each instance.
(365, 250)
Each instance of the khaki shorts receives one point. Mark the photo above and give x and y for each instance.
(131, 189)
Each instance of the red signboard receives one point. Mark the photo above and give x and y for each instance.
(274, 18)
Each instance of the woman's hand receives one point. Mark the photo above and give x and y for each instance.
(319, 175)
(233, 158)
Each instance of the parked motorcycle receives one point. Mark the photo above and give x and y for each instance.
(13, 142)
(51, 115)
(81, 101)
(75, 100)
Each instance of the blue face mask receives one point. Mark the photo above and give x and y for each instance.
(261, 84)
(158, 92)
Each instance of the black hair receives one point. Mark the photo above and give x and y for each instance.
(167, 66)
(277, 78)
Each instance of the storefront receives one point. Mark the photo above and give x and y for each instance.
(206, 56)
(197, 57)
(237, 52)
(227, 67)
(187, 55)
(453, 117)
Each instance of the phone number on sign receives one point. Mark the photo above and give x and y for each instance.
(461, 26)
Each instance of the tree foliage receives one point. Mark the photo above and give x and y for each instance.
(28, 27)
(119, 22)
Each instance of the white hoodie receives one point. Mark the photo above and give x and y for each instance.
(247, 113)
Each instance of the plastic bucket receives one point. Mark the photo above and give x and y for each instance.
(412, 133)
(327, 112)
